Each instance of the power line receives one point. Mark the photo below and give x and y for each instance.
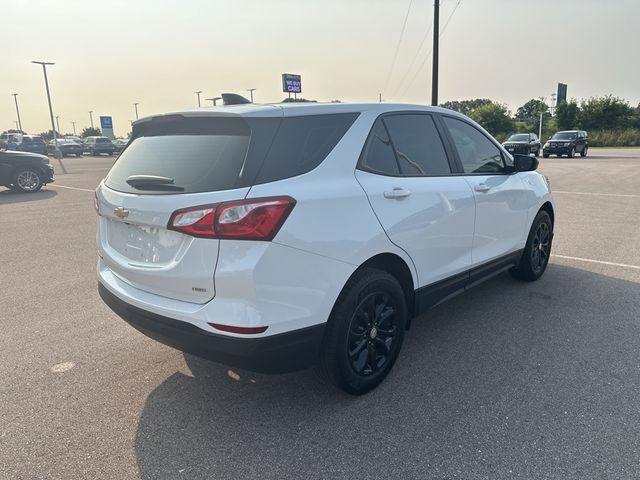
(442, 30)
(415, 56)
(395, 55)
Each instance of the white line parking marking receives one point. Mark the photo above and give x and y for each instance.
(601, 262)
(599, 194)
(72, 188)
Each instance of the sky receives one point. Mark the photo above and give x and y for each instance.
(112, 53)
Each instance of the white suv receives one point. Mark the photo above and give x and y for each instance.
(276, 237)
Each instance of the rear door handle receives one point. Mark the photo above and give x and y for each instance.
(482, 187)
(396, 193)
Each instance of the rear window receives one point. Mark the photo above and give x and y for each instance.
(222, 153)
(103, 140)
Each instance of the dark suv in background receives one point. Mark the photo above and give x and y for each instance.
(523, 144)
(99, 145)
(568, 142)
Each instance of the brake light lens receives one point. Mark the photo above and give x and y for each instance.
(249, 219)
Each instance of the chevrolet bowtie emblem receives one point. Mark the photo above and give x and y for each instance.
(121, 212)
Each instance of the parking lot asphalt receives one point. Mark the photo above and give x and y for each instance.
(509, 380)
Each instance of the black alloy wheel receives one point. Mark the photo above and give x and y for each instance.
(365, 331)
(541, 248)
(372, 333)
(537, 250)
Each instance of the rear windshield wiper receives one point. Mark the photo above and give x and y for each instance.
(152, 182)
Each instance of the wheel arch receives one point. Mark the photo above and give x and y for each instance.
(547, 207)
(398, 267)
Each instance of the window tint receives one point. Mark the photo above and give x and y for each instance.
(477, 153)
(196, 163)
(302, 143)
(222, 153)
(417, 144)
(378, 155)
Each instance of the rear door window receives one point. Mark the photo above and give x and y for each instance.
(417, 145)
(378, 156)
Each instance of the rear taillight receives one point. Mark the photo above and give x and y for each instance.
(249, 219)
(96, 206)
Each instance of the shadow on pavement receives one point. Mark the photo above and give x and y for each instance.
(9, 196)
(508, 380)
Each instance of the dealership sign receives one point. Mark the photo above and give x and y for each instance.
(106, 125)
(291, 83)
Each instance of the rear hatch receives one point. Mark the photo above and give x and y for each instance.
(173, 162)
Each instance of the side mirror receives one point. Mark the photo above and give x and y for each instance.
(525, 163)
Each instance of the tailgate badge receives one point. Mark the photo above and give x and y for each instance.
(120, 212)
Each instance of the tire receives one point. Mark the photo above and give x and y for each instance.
(572, 153)
(27, 180)
(369, 293)
(545, 155)
(537, 251)
(537, 154)
(583, 153)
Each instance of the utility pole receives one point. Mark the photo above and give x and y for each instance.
(58, 153)
(251, 90)
(91, 117)
(58, 124)
(198, 94)
(380, 97)
(540, 128)
(15, 97)
(17, 127)
(436, 52)
(74, 128)
(135, 105)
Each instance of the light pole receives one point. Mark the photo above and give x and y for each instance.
(91, 117)
(58, 124)
(58, 153)
(74, 128)
(17, 127)
(214, 100)
(198, 94)
(251, 90)
(135, 105)
(15, 97)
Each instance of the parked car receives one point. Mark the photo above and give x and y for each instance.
(273, 238)
(120, 143)
(24, 171)
(11, 140)
(66, 146)
(76, 139)
(99, 145)
(568, 142)
(32, 144)
(523, 144)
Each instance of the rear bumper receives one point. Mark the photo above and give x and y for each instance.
(281, 353)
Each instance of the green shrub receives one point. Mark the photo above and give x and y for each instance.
(629, 137)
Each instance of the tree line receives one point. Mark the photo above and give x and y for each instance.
(610, 120)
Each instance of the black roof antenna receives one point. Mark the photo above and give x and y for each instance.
(234, 99)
